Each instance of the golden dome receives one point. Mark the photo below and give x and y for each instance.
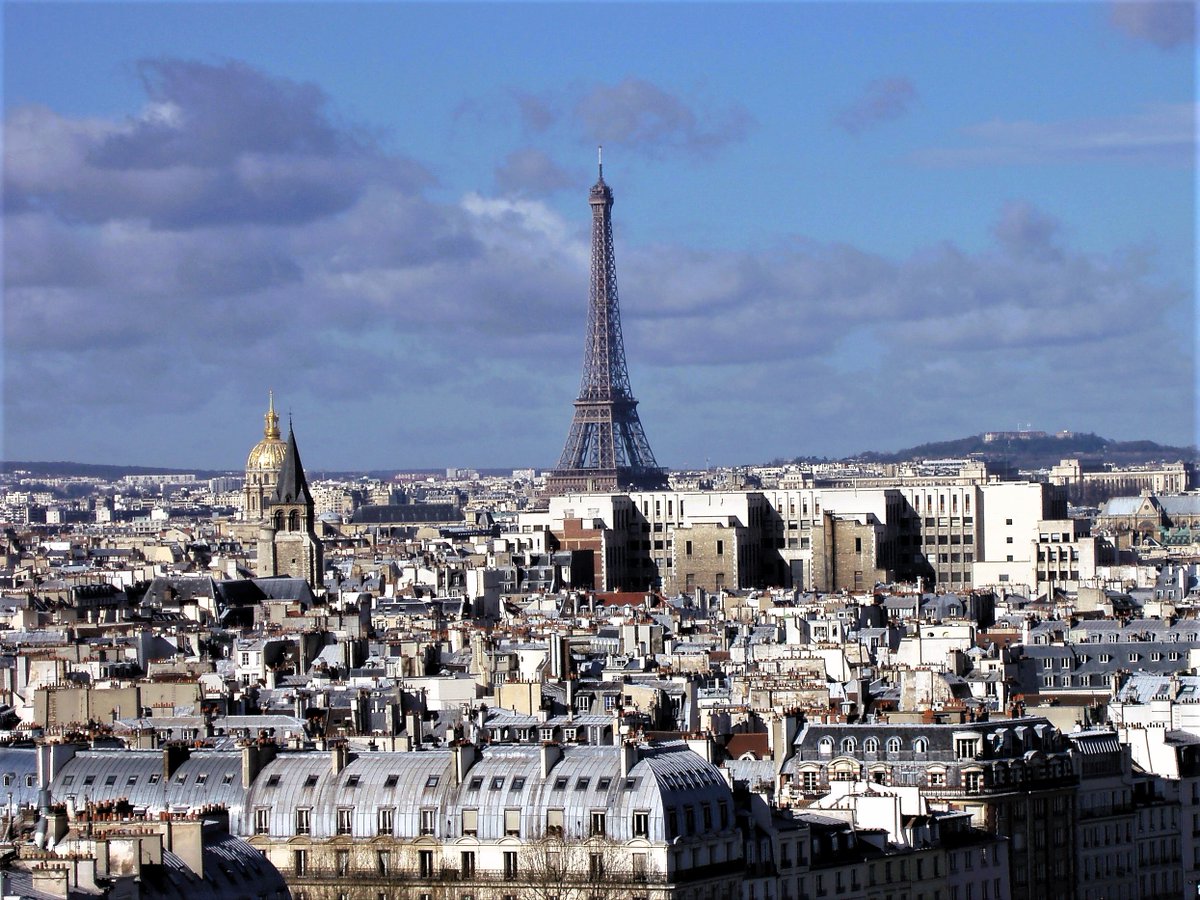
(269, 452)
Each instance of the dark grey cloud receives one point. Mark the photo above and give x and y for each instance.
(639, 115)
(537, 113)
(214, 145)
(1163, 134)
(532, 171)
(1026, 231)
(883, 100)
(1165, 23)
(204, 114)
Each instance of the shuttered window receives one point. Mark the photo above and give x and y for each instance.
(470, 821)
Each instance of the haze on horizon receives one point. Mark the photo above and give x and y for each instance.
(838, 227)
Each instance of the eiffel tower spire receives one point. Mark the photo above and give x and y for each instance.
(606, 448)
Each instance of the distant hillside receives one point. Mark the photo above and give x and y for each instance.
(90, 470)
(1039, 452)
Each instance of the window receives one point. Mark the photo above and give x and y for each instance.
(554, 823)
(352, 781)
(581, 784)
(518, 783)
(385, 819)
(720, 548)
(560, 784)
(467, 864)
(431, 781)
(603, 784)
(262, 821)
(498, 783)
(428, 821)
(470, 822)
(341, 861)
(510, 864)
(383, 861)
(300, 862)
(641, 824)
(303, 820)
(595, 866)
(893, 745)
(598, 823)
(273, 781)
(476, 783)
(512, 823)
(344, 819)
(310, 781)
(390, 781)
(200, 779)
(155, 777)
(425, 863)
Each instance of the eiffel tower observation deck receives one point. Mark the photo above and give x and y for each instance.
(606, 448)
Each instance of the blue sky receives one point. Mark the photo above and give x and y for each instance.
(839, 226)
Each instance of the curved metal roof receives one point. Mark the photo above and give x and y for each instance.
(18, 776)
(206, 777)
(418, 787)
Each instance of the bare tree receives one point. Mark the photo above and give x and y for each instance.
(557, 868)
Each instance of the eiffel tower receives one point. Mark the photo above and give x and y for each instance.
(606, 448)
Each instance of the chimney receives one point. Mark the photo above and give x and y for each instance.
(51, 881)
(783, 735)
(551, 753)
(185, 838)
(629, 757)
(701, 745)
(463, 755)
(339, 756)
(174, 755)
(255, 757)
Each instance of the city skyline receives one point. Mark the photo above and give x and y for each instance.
(839, 227)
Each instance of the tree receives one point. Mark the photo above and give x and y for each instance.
(557, 868)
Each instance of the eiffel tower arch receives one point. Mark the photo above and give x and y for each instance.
(606, 448)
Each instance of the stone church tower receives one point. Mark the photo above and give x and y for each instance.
(262, 468)
(288, 542)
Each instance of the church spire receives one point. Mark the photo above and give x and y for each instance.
(271, 420)
(292, 486)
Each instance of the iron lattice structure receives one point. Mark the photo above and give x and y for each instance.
(606, 448)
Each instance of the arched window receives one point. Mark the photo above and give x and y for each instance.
(825, 747)
(893, 745)
(920, 745)
(294, 520)
(279, 520)
(870, 745)
(849, 745)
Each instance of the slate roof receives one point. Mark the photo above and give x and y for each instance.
(292, 486)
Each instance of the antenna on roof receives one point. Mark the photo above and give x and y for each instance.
(600, 160)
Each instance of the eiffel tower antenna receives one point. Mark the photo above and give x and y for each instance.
(606, 447)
